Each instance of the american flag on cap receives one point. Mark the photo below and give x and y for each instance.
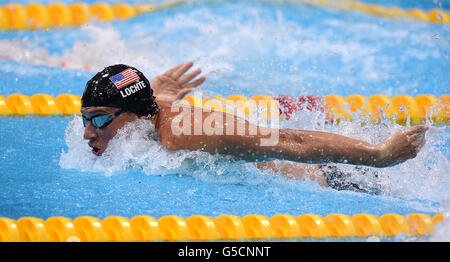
(124, 78)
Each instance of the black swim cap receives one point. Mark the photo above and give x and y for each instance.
(123, 87)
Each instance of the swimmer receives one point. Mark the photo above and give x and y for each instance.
(120, 94)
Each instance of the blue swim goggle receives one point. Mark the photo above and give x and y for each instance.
(102, 120)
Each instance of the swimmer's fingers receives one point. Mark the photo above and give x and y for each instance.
(186, 78)
(414, 135)
(163, 79)
(172, 70)
(195, 83)
(182, 93)
(168, 85)
(420, 146)
(181, 70)
(416, 139)
(420, 129)
(413, 153)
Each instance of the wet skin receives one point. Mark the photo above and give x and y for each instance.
(98, 138)
(294, 145)
(167, 87)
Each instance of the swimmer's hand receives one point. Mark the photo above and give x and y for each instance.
(400, 146)
(174, 84)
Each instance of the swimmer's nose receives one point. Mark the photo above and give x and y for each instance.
(89, 131)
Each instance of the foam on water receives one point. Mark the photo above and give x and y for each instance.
(442, 229)
(136, 147)
(420, 181)
(245, 49)
(271, 50)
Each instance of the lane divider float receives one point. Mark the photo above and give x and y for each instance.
(223, 227)
(36, 16)
(402, 109)
(40, 104)
(435, 15)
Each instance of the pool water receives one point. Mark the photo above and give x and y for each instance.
(243, 47)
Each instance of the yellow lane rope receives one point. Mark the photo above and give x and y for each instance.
(223, 227)
(434, 15)
(34, 16)
(403, 108)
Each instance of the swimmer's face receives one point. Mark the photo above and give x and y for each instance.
(98, 138)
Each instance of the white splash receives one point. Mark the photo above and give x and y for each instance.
(442, 228)
(136, 147)
(219, 43)
(423, 178)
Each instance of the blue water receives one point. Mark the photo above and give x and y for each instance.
(33, 184)
(243, 47)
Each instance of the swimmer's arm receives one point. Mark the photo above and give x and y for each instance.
(174, 84)
(246, 141)
(308, 147)
(320, 147)
(317, 147)
(240, 138)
